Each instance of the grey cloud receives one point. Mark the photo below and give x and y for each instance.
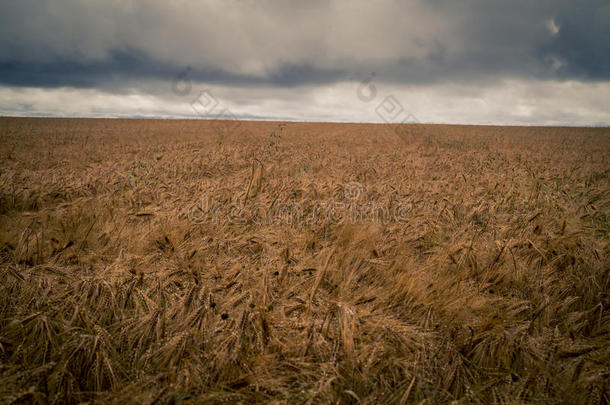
(77, 43)
(582, 43)
(276, 49)
(122, 66)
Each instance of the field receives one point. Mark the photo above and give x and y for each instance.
(167, 261)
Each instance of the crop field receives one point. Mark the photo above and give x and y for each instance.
(195, 261)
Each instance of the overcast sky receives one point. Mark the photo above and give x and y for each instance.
(471, 61)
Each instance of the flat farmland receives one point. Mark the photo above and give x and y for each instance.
(194, 261)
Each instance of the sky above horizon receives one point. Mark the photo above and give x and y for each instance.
(471, 62)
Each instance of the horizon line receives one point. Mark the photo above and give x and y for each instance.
(178, 118)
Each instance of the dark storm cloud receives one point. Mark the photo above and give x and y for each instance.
(121, 66)
(244, 43)
(515, 39)
(583, 42)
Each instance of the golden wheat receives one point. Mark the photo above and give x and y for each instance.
(162, 261)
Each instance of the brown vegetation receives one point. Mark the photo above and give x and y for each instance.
(118, 285)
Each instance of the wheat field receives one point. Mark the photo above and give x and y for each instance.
(192, 261)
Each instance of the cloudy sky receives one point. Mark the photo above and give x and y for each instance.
(472, 61)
